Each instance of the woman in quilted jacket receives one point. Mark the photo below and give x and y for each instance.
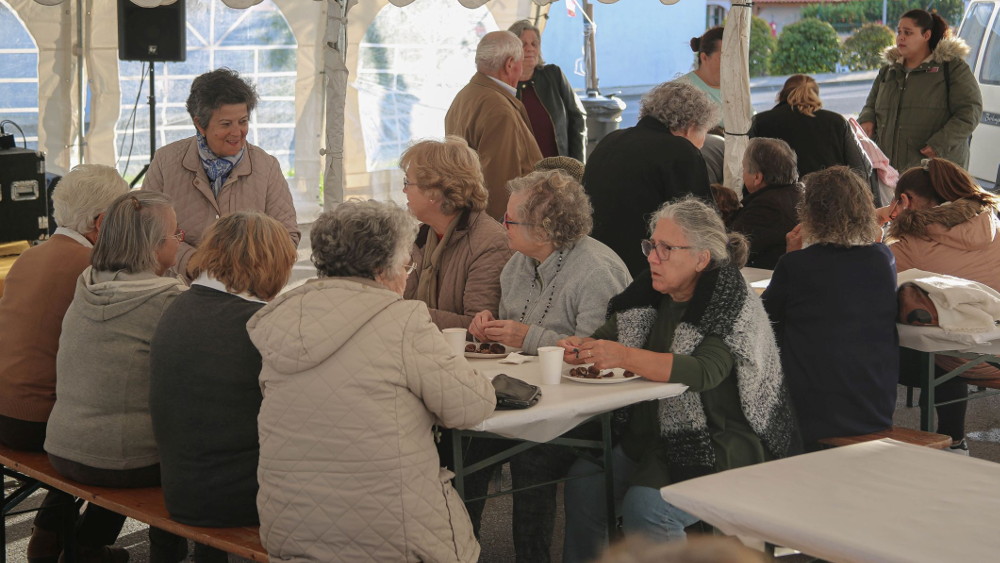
(353, 378)
(925, 102)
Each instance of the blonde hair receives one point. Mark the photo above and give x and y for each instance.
(802, 93)
(248, 252)
(450, 168)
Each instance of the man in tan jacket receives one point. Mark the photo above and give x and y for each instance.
(488, 115)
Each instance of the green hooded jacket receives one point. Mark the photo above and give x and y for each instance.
(915, 109)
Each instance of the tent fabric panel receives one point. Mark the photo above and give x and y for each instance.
(305, 20)
(735, 78)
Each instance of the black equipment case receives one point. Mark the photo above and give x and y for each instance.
(24, 204)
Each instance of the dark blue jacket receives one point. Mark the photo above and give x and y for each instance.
(834, 310)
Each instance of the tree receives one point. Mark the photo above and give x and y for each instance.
(762, 46)
(807, 46)
(863, 50)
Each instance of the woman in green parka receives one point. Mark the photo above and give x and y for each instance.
(925, 102)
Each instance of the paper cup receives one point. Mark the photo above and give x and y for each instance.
(551, 360)
(456, 338)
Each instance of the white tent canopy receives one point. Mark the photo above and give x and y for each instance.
(327, 114)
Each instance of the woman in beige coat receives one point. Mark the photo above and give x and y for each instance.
(947, 224)
(217, 172)
(460, 250)
(353, 378)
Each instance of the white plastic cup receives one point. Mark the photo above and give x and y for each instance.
(456, 338)
(551, 359)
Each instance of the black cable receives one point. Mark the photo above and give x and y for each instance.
(131, 120)
(24, 140)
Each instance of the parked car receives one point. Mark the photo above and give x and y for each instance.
(981, 30)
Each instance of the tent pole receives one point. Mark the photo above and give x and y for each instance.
(81, 87)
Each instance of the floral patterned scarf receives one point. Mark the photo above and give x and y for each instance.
(217, 168)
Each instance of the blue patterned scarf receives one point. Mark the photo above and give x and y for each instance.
(217, 168)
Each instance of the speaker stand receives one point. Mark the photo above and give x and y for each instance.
(152, 123)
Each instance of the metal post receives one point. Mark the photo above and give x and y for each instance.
(81, 87)
(590, 47)
(927, 406)
(885, 12)
(152, 110)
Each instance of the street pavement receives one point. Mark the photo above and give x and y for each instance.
(843, 93)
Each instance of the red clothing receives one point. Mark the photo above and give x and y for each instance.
(541, 122)
(38, 291)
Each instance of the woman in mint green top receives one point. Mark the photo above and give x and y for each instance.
(691, 319)
(708, 76)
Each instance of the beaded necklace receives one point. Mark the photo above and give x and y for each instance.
(552, 291)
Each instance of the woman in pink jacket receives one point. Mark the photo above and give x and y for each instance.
(945, 223)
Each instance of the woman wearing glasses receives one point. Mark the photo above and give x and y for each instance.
(557, 284)
(354, 377)
(559, 280)
(690, 319)
(100, 431)
(460, 250)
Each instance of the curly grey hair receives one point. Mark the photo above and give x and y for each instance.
(679, 106)
(519, 27)
(217, 88)
(774, 159)
(495, 48)
(362, 239)
(84, 193)
(704, 230)
(134, 228)
(556, 207)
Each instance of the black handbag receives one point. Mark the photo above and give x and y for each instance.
(512, 393)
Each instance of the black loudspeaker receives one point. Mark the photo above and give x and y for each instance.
(24, 208)
(151, 34)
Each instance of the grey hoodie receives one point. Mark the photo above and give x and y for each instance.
(101, 416)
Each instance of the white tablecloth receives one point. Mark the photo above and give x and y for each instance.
(877, 501)
(935, 339)
(564, 406)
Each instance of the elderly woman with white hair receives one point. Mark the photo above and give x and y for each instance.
(39, 289)
(635, 170)
(685, 321)
(354, 377)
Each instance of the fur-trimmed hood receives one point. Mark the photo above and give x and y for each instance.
(963, 224)
(948, 49)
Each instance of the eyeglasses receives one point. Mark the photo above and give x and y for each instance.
(407, 183)
(507, 222)
(410, 268)
(662, 249)
(179, 235)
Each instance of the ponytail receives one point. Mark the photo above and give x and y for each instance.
(952, 183)
(802, 93)
(929, 21)
(738, 249)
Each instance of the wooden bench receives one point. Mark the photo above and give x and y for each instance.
(908, 435)
(145, 505)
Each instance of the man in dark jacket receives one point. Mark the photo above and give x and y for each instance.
(770, 195)
(632, 172)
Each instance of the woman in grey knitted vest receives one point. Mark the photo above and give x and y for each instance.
(692, 320)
